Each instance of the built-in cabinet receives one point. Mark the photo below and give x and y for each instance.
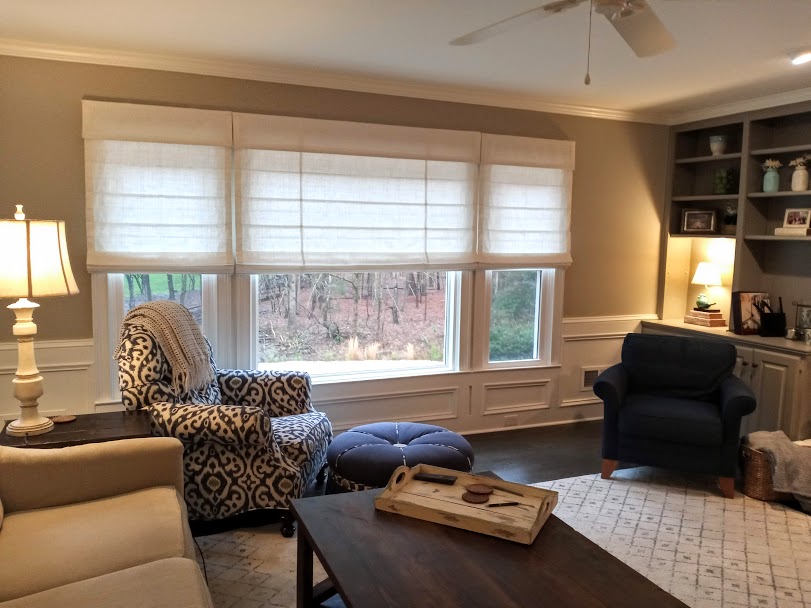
(777, 370)
(757, 259)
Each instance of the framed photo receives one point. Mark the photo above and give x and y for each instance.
(797, 218)
(804, 317)
(698, 221)
(746, 311)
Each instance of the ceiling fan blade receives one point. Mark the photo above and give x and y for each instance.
(644, 32)
(532, 14)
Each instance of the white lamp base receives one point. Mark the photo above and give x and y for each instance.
(27, 381)
(19, 429)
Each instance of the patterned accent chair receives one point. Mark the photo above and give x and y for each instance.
(251, 439)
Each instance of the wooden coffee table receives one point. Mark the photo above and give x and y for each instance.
(376, 559)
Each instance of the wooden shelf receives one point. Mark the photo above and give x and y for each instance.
(781, 194)
(771, 237)
(781, 150)
(698, 235)
(704, 197)
(707, 159)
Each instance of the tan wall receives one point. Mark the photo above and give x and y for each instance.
(618, 182)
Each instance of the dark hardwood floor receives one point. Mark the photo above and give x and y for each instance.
(522, 456)
(539, 454)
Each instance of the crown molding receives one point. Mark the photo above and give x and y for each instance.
(747, 105)
(286, 74)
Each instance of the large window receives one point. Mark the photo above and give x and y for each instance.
(347, 322)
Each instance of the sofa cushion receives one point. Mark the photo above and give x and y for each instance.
(683, 421)
(46, 548)
(690, 368)
(167, 583)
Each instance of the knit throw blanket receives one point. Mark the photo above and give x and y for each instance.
(180, 339)
(791, 464)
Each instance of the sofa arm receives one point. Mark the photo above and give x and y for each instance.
(40, 478)
(278, 393)
(223, 424)
(737, 399)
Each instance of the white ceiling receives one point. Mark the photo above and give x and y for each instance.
(727, 50)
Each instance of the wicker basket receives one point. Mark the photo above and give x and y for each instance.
(757, 476)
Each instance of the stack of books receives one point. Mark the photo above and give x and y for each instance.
(800, 231)
(707, 318)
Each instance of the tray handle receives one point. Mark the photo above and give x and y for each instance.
(399, 477)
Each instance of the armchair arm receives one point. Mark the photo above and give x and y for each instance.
(39, 478)
(223, 424)
(737, 399)
(278, 393)
(611, 386)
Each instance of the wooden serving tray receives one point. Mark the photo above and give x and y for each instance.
(443, 504)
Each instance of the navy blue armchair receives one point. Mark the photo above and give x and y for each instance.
(673, 402)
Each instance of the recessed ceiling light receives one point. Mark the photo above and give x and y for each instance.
(800, 57)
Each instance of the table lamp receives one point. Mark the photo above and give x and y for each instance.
(35, 264)
(707, 274)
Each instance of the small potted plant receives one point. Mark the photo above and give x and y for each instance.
(799, 179)
(771, 179)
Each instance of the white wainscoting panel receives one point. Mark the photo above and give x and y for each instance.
(511, 397)
(68, 374)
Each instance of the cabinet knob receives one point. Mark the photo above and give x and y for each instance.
(745, 363)
(754, 365)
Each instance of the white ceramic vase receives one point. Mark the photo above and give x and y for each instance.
(799, 179)
(718, 144)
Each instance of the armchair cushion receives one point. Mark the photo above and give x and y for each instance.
(302, 438)
(676, 367)
(223, 424)
(684, 421)
(83, 540)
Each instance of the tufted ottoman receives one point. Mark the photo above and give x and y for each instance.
(364, 457)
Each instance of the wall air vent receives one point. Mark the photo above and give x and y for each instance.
(588, 377)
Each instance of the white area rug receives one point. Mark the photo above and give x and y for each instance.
(676, 530)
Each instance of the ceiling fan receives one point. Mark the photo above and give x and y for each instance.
(633, 19)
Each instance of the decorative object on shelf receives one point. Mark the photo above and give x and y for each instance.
(698, 221)
(729, 219)
(771, 178)
(35, 265)
(724, 181)
(705, 318)
(709, 275)
(718, 144)
(799, 179)
(746, 311)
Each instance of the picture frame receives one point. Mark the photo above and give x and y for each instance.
(745, 314)
(797, 218)
(698, 221)
(804, 317)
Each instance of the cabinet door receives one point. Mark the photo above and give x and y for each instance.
(773, 378)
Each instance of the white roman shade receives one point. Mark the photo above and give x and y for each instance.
(525, 201)
(316, 195)
(158, 188)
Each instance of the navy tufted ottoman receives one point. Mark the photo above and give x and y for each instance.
(364, 457)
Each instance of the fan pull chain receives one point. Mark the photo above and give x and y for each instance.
(588, 52)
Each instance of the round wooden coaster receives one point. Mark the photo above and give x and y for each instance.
(479, 488)
(63, 419)
(476, 499)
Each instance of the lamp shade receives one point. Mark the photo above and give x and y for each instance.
(35, 259)
(708, 274)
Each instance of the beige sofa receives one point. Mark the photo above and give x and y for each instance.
(97, 525)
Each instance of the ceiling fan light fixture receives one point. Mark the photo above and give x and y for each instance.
(800, 57)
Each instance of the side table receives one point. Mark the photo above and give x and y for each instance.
(87, 428)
